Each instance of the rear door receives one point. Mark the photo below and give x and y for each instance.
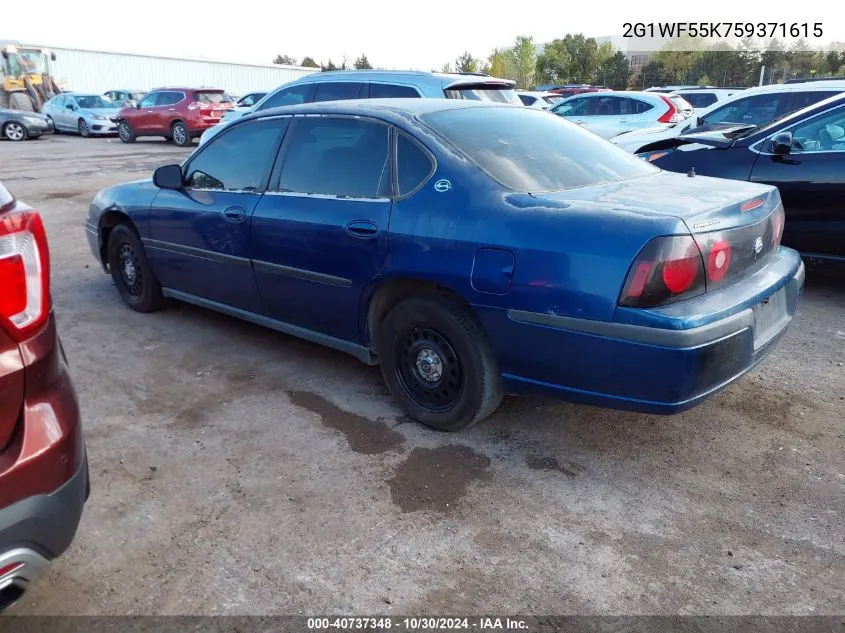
(811, 179)
(321, 234)
(380, 90)
(165, 111)
(200, 235)
(340, 90)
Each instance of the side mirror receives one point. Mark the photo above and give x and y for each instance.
(699, 121)
(70, 107)
(168, 177)
(781, 143)
(52, 56)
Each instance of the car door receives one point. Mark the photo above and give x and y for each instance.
(56, 110)
(611, 115)
(577, 110)
(142, 117)
(811, 180)
(200, 235)
(67, 113)
(301, 93)
(800, 99)
(320, 235)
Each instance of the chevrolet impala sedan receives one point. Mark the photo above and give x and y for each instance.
(470, 249)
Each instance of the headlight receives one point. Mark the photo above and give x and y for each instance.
(98, 117)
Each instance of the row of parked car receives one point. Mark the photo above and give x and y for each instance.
(469, 248)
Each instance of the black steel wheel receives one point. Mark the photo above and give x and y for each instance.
(131, 272)
(438, 363)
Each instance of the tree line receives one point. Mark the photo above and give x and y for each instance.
(579, 59)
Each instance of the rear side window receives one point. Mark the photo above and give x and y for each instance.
(303, 93)
(413, 164)
(484, 92)
(238, 159)
(338, 157)
(756, 110)
(801, 100)
(392, 91)
(524, 149)
(526, 100)
(699, 99)
(169, 98)
(331, 91)
(212, 97)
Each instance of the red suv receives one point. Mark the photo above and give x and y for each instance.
(43, 466)
(177, 114)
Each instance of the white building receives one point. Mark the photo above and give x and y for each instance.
(98, 71)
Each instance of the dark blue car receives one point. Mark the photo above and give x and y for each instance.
(470, 249)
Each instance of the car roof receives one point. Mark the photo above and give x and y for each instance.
(688, 90)
(380, 108)
(207, 88)
(412, 76)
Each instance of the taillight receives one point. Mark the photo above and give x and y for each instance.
(24, 272)
(668, 269)
(671, 115)
(778, 219)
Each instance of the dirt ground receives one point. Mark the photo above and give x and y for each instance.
(236, 470)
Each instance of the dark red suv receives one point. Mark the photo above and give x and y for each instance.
(177, 114)
(43, 466)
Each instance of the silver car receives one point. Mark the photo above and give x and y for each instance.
(85, 114)
(611, 113)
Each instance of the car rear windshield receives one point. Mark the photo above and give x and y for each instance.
(212, 97)
(499, 93)
(527, 150)
(700, 99)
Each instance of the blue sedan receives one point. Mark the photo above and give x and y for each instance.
(470, 249)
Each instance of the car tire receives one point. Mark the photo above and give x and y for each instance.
(20, 101)
(438, 363)
(52, 124)
(14, 131)
(131, 271)
(125, 133)
(83, 129)
(180, 135)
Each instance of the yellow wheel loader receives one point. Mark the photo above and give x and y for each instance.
(27, 81)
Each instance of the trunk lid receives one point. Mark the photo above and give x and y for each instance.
(736, 225)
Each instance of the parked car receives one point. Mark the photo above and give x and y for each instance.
(43, 466)
(177, 114)
(249, 100)
(381, 84)
(85, 114)
(609, 114)
(803, 154)
(702, 98)
(755, 106)
(19, 125)
(124, 97)
(539, 100)
(568, 90)
(469, 248)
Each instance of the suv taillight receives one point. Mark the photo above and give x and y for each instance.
(668, 269)
(24, 272)
(671, 115)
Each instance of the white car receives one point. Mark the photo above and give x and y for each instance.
(539, 100)
(611, 113)
(702, 98)
(753, 106)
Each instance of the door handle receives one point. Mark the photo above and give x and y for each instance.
(364, 229)
(235, 214)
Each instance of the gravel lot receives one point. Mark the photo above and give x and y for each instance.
(237, 470)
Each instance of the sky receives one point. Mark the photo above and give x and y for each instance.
(393, 34)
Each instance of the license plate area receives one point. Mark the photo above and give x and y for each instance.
(770, 317)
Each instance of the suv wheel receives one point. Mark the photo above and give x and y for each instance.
(437, 363)
(124, 131)
(179, 133)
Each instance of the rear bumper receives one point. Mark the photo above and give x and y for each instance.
(45, 524)
(633, 367)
